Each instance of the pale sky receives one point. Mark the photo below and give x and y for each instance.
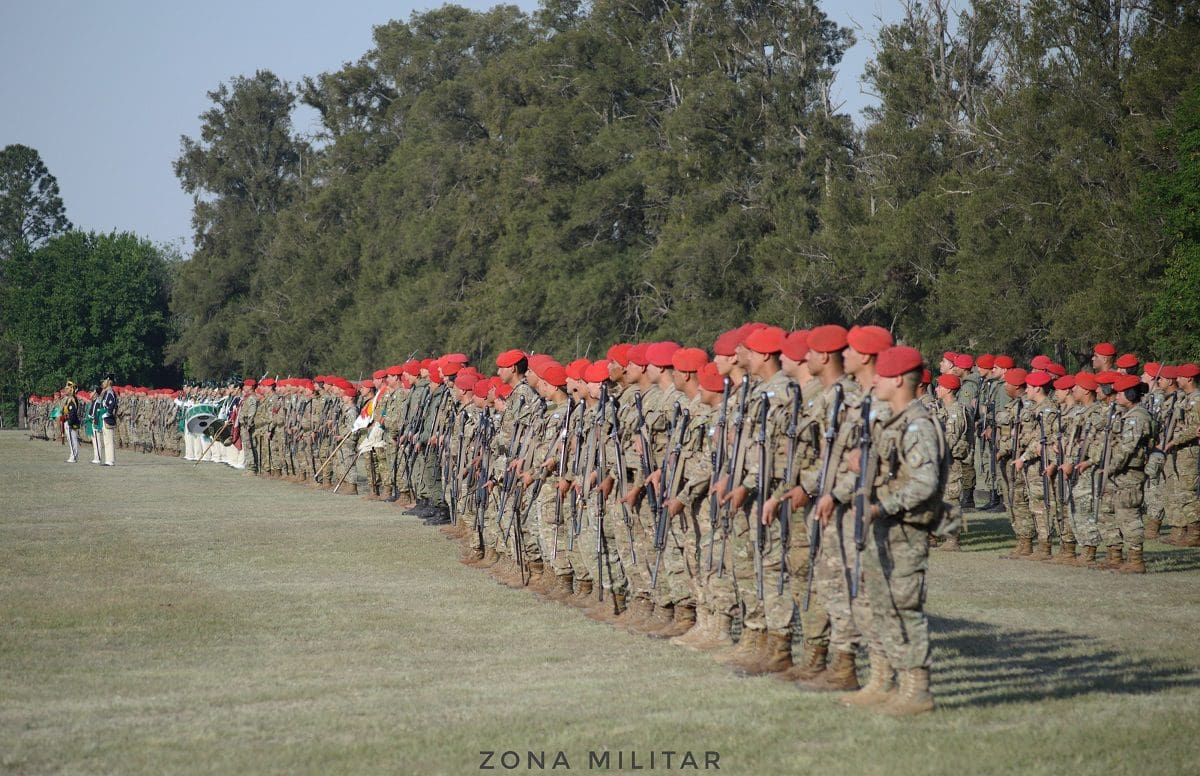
(104, 89)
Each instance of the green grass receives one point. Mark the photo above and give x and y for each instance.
(162, 617)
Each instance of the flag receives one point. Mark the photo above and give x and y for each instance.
(366, 417)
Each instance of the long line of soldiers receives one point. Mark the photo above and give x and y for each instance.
(787, 484)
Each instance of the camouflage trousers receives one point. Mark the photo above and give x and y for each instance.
(1121, 511)
(773, 611)
(1017, 499)
(968, 472)
(717, 582)
(983, 467)
(1082, 510)
(835, 567)
(815, 626)
(1042, 500)
(552, 527)
(894, 565)
(1182, 505)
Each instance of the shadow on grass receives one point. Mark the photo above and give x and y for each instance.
(987, 532)
(980, 664)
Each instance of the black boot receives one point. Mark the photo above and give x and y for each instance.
(968, 500)
(437, 516)
(420, 510)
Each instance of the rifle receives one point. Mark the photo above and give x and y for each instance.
(717, 463)
(1098, 495)
(615, 433)
(576, 470)
(562, 470)
(1043, 462)
(1016, 436)
(484, 438)
(814, 536)
(739, 421)
(865, 480)
(789, 474)
(679, 422)
(760, 535)
(514, 443)
(645, 457)
(599, 470)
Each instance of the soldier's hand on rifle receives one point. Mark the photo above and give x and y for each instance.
(674, 507)
(854, 460)
(798, 496)
(719, 489)
(631, 497)
(1067, 469)
(655, 478)
(987, 433)
(824, 509)
(526, 479)
(489, 485)
(516, 465)
(606, 486)
(770, 508)
(1019, 464)
(1082, 466)
(1049, 470)
(564, 487)
(738, 495)
(550, 465)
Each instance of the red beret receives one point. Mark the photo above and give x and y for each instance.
(1004, 362)
(455, 358)
(869, 340)
(504, 390)
(1064, 383)
(482, 388)
(1040, 362)
(1038, 379)
(949, 355)
(554, 374)
(435, 376)
(950, 381)
(795, 345)
(926, 377)
(768, 339)
(689, 359)
(1188, 370)
(620, 353)
(539, 361)
(576, 368)
(395, 371)
(1057, 369)
(1015, 377)
(379, 374)
(1086, 381)
(1127, 361)
(428, 363)
(896, 361)
(367, 384)
(829, 338)
(1106, 378)
(1152, 368)
(726, 344)
(964, 361)
(985, 361)
(349, 393)
(465, 380)
(268, 381)
(450, 368)
(251, 383)
(1125, 382)
(412, 368)
(1105, 349)
(711, 379)
(746, 328)
(659, 354)
(637, 354)
(509, 358)
(597, 372)
(1168, 372)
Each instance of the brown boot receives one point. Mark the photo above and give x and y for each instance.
(699, 630)
(1066, 553)
(583, 594)
(1113, 561)
(950, 545)
(472, 557)
(1133, 563)
(1088, 558)
(880, 687)
(913, 697)
(748, 650)
(1191, 536)
(637, 614)
(347, 490)
(813, 665)
(490, 558)
(1176, 536)
(535, 574)
(660, 618)
(684, 622)
(1042, 552)
(1152, 527)
(718, 638)
(840, 676)
(775, 658)
(1023, 549)
(560, 587)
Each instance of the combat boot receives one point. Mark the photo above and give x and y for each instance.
(813, 665)
(1042, 552)
(1191, 536)
(880, 686)
(748, 650)
(684, 622)
(1023, 549)
(718, 638)
(1088, 558)
(347, 490)
(775, 658)
(698, 631)
(913, 697)
(1134, 563)
(950, 545)
(583, 594)
(968, 500)
(537, 570)
(489, 559)
(1176, 536)
(1152, 526)
(840, 676)
(1066, 554)
(637, 612)
(1113, 561)
(472, 557)
(562, 587)
(659, 620)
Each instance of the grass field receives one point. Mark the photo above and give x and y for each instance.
(163, 617)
